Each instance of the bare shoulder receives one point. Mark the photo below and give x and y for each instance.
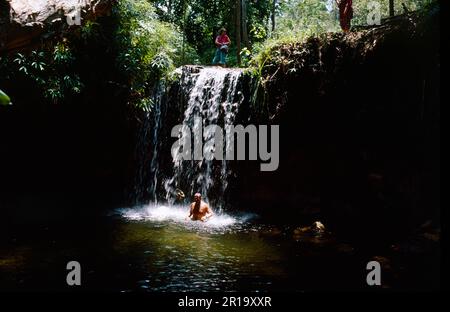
(206, 206)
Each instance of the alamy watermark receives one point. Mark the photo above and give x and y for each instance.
(73, 278)
(209, 143)
(374, 16)
(374, 275)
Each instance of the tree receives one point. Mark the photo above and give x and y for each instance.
(298, 18)
(238, 31)
(391, 8)
(244, 18)
(273, 17)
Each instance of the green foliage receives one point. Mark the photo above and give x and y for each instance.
(145, 104)
(148, 48)
(296, 21)
(362, 9)
(300, 19)
(51, 72)
(90, 31)
(147, 39)
(4, 98)
(246, 56)
(258, 32)
(200, 21)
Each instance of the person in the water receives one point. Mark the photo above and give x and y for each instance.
(200, 210)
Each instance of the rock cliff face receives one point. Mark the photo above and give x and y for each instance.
(359, 118)
(27, 23)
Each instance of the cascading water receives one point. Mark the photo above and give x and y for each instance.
(211, 95)
(148, 148)
(215, 100)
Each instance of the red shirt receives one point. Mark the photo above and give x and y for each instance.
(223, 39)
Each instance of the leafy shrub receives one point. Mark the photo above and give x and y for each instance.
(52, 72)
(147, 48)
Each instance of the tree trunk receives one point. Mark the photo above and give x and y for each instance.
(274, 6)
(169, 8)
(238, 31)
(391, 8)
(245, 39)
(185, 18)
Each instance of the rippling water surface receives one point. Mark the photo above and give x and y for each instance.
(155, 248)
(186, 255)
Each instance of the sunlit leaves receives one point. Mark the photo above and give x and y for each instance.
(148, 47)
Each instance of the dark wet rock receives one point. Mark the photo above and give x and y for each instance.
(317, 228)
(359, 118)
(345, 248)
(424, 241)
(191, 69)
(314, 234)
(430, 232)
(435, 237)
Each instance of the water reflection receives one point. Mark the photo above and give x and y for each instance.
(184, 255)
(155, 249)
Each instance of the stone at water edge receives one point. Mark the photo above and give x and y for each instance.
(4, 99)
(318, 227)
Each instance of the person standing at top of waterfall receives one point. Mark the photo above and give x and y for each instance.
(223, 44)
(200, 210)
(345, 14)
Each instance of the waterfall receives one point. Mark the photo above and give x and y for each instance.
(215, 99)
(210, 94)
(148, 148)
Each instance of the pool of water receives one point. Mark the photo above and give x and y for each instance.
(154, 249)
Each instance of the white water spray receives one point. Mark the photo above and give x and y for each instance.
(215, 99)
(177, 214)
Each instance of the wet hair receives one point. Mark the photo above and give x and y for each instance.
(197, 194)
